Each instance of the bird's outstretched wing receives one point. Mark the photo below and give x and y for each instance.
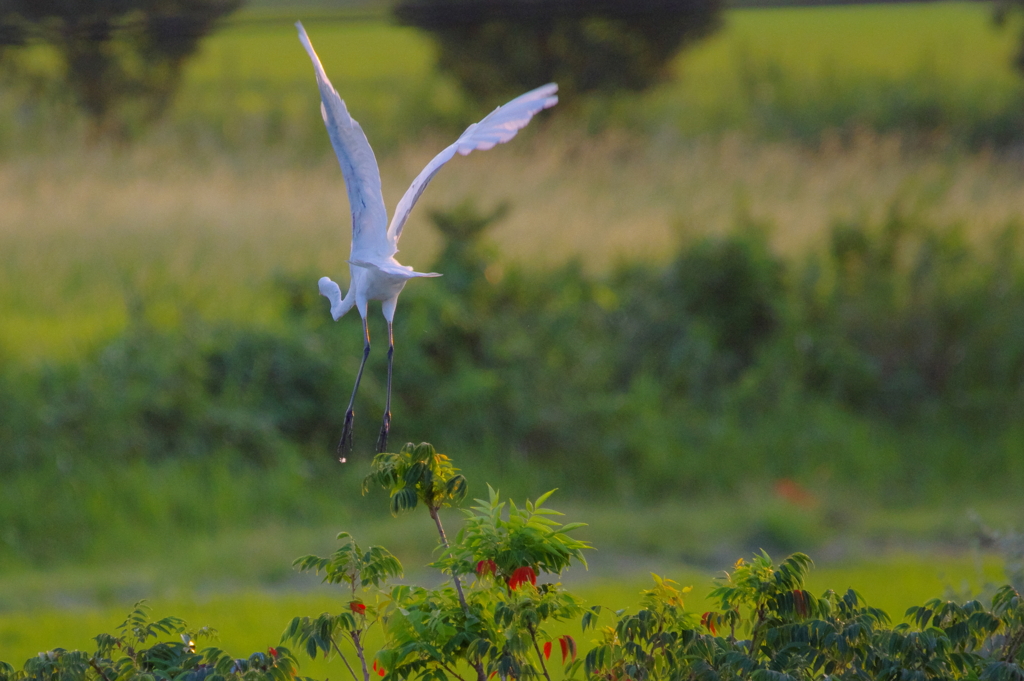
(358, 165)
(497, 127)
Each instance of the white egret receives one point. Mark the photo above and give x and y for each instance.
(374, 274)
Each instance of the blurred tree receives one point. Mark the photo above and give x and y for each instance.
(121, 59)
(497, 48)
(1003, 10)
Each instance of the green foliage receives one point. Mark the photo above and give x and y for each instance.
(909, 320)
(349, 565)
(794, 635)
(528, 537)
(429, 632)
(417, 473)
(498, 624)
(141, 649)
(498, 48)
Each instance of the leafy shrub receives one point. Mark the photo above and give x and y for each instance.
(698, 324)
(139, 650)
(915, 319)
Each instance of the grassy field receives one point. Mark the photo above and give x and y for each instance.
(79, 235)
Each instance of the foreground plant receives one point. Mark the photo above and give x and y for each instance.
(492, 616)
(500, 609)
(144, 648)
(358, 569)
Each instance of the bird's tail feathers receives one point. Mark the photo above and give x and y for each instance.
(406, 272)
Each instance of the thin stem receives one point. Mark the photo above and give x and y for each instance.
(345, 660)
(477, 665)
(455, 577)
(661, 641)
(1013, 644)
(540, 655)
(103, 675)
(755, 631)
(452, 672)
(359, 651)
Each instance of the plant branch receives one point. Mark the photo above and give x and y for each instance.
(359, 652)
(477, 665)
(92, 663)
(1013, 644)
(344, 659)
(452, 672)
(540, 655)
(444, 542)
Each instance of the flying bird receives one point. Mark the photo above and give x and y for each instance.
(374, 274)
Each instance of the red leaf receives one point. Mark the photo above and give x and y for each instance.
(791, 491)
(800, 602)
(522, 574)
(357, 607)
(486, 567)
(568, 647)
(272, 651)
(708, 620)
(547, 650)
(493, 674)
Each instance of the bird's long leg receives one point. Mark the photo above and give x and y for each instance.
(345, 444)
(385, 427)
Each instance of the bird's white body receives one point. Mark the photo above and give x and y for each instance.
(368, 281)
(374, 274)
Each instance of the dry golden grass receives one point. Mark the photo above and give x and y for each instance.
(208, 235)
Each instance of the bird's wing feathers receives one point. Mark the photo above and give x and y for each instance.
(358, 165)
(499, 126)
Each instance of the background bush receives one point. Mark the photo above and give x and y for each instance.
(726, 366)
(497, 48)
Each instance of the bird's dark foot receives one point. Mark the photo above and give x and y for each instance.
(345, 444)
(385, 428)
